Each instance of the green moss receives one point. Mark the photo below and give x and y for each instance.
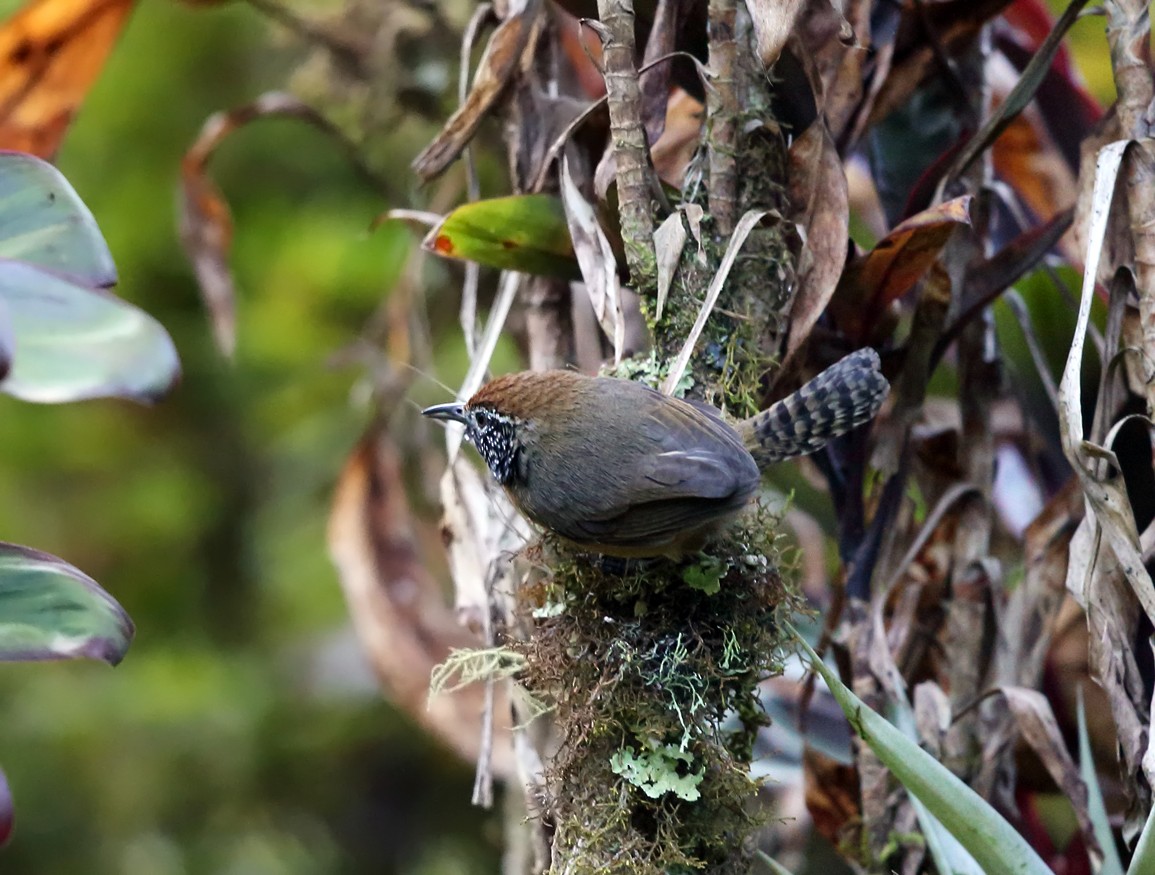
(644, 670)
(743, 335)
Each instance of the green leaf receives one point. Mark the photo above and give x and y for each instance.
(773, 865)
(1096, 808)
(980, 829)
(525, 232)
(52, 610)
(1143, 860)
(706, 574)
(44, 222)
(75, 342)
(62, 337)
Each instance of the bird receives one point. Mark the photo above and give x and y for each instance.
(615, 467)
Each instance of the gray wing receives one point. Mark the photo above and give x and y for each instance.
(677, 468)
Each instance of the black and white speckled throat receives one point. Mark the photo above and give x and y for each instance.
(495, 437)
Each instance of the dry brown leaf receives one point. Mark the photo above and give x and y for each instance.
(1068, 665)
(1097, 583)
(1117, 240)
(1107, 495)
(818, 182)
(1036, 724)
(1106, 575)
(675, 148)
(773, 23)
(1033, 607)
(503, 55)
(655, 83)
(828, 50)
(872, 282)
(396, 606)
(831, 795)
(669, 240)
(53, 50)
(596, 258)
(932, 716)
(206, 228)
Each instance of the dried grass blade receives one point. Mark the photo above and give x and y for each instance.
(1107, 499)
(741, 232)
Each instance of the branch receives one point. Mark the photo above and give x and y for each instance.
(722, 115)
(628, 138)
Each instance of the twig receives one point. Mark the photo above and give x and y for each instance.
(468, 313)
(479, 364)
(551, 154)
(346, 51)
(628, 138)
(722, 115)
(739, 236)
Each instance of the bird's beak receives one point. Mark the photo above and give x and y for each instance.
(449, 412)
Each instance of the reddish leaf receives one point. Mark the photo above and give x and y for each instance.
(892, 268)
(1026, 157)
(583, 50)
(52, 52)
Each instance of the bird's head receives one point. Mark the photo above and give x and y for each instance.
(505, 412)
(493, 433)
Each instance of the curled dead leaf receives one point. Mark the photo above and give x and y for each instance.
(892, 268)
(832, 795)
(206, 229)
(596, 258)
(669, 240)
(774, 21)
(818, 191)
(1036, 725)
(512, 40)
(397, 607)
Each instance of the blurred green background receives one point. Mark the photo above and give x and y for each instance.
(242, 734)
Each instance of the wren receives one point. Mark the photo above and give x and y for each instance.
(617, 468)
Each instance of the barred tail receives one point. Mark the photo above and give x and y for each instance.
(841, 398)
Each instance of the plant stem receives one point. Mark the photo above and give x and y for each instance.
(722, 116)
(628, 139)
